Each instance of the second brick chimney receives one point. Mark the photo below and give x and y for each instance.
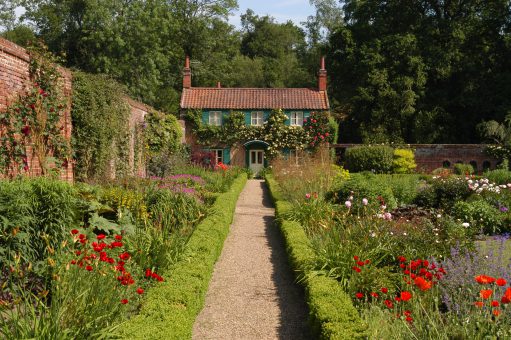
(187, 74)
(322, 76)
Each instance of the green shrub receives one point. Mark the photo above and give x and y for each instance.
(368, 186)
(463, 169)
(443, 193)
(404, 161)
(404, 187)
(499, 176)
(481, 215)
(375, 158)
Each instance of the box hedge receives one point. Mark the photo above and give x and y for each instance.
(170, 309)
(331, 311)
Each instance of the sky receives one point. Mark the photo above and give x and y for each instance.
(281, 10)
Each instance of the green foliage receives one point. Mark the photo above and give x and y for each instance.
(162, 132)
(366, 185)
(100, 126)
(331, 312)
(376, 158)
(36, 215)
(404, 161)
(481, 215)
(20, 35)
(463, 169)
(499, 176)
(169, 310)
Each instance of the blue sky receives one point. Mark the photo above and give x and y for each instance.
(281, 10)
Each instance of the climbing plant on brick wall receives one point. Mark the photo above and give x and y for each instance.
(100, 127)
(35, 121)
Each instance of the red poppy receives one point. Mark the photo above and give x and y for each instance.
(148, 272)
(355, 268)
(507, 296)
(485, 293)
(361, 263)
(140, 291)
(496, 312)
(124, 301)
(118, 237)
(374, 295)
(484, 279)
(494, 303)
(384, 290)
(359, 295)
(81, 236)
(479, 304)
(405, 296)
(88, 268)
(101, 236)
(73, 261)
(501, 282)
(367, 261)
(401, 259)
(389, 304)
(407, 313)
(124, 256)
(78, 252)
(74, 231)
(409, 319)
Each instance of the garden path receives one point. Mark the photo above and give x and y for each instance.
(252, 294)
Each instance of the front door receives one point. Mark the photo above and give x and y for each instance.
(256, 161)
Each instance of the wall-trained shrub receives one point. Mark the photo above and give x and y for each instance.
(100, 126)
(374, 158)
(404, 161)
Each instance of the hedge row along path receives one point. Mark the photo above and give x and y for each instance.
(252, 294)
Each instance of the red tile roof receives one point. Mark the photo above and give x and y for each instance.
(253, 98)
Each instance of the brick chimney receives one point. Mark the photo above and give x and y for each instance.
(322, 76)
(187, 74)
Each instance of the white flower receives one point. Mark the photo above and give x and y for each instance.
(365, 201)
(351, 198)
(438, 216)
(465, 224)
(373, 234)
(404, 234)
(384, 207)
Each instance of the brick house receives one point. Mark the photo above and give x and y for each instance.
(216, 103)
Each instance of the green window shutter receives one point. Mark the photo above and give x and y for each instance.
(227, 156)
(288, 120)
(266, 115)
(248, 118)
(205, 117)
(306, 114)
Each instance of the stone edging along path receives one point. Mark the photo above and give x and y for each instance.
(252, 294)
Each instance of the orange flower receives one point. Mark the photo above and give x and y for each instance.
(496, 312)
(423, 284)
(485, 293)
(479, 304)
(484, 279)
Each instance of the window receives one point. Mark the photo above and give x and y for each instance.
(215, 118)
(219, 155)
(256, 118)
(296, 118)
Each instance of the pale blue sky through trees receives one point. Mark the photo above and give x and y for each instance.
(281, 10)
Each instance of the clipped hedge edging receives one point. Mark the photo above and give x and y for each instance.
(170, 308)
(331, 311)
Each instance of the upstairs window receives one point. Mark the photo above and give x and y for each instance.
(215, 118)
(256, 118)
(297, 118)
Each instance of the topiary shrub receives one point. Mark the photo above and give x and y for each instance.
(463, 169)
(375, 158)
(404, 161)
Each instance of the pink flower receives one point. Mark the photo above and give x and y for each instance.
(307, 196)
(347, 204)
(365, 201)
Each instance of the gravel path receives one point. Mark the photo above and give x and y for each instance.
(252, 294)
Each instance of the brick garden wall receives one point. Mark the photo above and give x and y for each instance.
(14, 74)
(433, 156)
